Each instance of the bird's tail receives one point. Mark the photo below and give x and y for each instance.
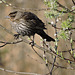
(45, 36)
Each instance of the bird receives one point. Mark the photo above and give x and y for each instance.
(28, 24)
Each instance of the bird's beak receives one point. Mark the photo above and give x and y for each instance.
(7, 17)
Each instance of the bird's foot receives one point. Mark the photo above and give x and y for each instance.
(16, 36)
(32, 43)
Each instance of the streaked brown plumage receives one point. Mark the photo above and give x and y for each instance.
(27, 23)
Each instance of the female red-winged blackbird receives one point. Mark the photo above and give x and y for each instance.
(27, 23)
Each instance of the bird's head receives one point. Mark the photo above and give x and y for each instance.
(11, 15)
(16, 15)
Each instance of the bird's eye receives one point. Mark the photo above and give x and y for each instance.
(13, 16)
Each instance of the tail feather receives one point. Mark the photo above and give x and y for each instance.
(45, 36)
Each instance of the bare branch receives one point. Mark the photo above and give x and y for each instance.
(52, 66)
(24, 73)
(5, 43)
(25, 9)
(60, 5)
(39, 47)
(73, 2)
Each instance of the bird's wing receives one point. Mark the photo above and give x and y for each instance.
(34, 20)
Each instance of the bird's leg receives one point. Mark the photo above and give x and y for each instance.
(16, 36)
(32, 41)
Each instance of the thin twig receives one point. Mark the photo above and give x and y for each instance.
(55, 47)
(25, 9)
(52, 66)
(58, 66)
(33, 49)
(24, 73)
(61, 28)
(40, 57)
(5, 43)
(39, 47)
(60, 5)
(66, 51)
(73, 2)
(66, 9)
(36, 52)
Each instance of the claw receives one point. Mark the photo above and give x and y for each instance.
(32, 43)
(16, 36)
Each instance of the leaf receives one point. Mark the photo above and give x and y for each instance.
(71, 40)
(57, 53)
(69, 62)
(71, 51)
(74, 55)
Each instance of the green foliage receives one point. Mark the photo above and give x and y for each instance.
(52, 5)
(71, 18)
(61, 55)
(69, 62)
(73, 8)
(74, 55)
(66, 25)
(52, 14)
(63, 34)
(71, 51)
(57, 53)
(71, 41)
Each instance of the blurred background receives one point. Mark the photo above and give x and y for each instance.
(20, 57)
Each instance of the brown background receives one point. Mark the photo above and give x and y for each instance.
(20, 57)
